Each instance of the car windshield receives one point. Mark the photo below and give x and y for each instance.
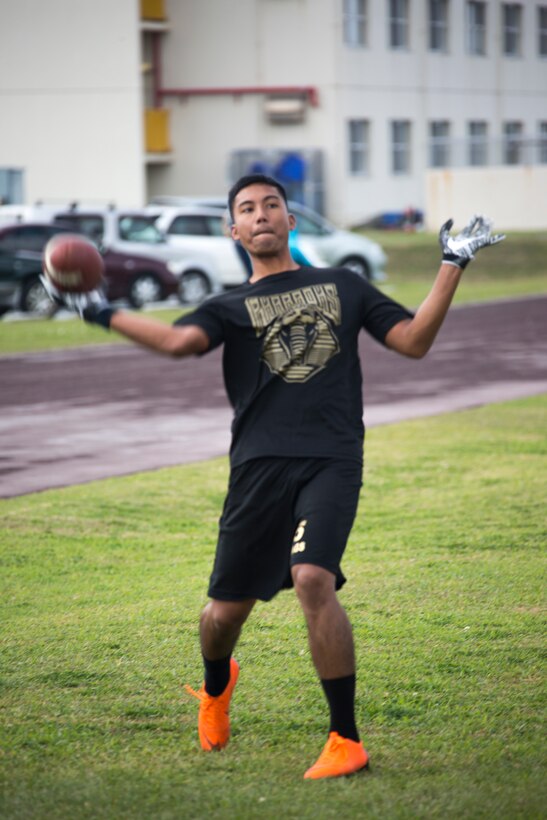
(197, 225)
(307, 225)
(139, 229)
(27, 238)
(91, 226)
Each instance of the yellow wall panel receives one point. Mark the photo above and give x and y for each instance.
(156, 126)
(152, 10)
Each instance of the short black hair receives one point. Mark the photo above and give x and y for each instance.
(253, 179)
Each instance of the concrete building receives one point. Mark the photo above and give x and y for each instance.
(358, 103)
(71, 101)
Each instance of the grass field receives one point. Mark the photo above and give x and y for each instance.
(516, 268)
(101, 586)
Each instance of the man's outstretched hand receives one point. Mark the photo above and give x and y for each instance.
(92, 306)
(459, 250)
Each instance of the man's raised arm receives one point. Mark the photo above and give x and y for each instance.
(414, 337)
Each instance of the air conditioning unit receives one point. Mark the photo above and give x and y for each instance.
(285, 110)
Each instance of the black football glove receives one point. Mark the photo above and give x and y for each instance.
(459, 250)
(92, 306)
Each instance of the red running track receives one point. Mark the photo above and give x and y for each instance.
(73, 416)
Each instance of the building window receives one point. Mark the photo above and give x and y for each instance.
(542, 30)
(512, 28)
(355, 22)
(439, 144)
(400, 146)
(543, 142)
(358, 138)
(438, 25)
(398, 24)
(476, 28)
(477, 131)
(512, 143)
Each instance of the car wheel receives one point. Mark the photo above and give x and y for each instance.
(357, 264)
(194, 287)
(34, 299)
(144, 290)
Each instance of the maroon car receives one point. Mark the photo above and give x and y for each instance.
(138, 279)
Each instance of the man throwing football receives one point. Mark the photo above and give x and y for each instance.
(293, 377)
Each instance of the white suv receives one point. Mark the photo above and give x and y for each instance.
(316, 235)
(202, 230)
(206, 229)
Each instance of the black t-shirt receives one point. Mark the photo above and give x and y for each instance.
(291, 363)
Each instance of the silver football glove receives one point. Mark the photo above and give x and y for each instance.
(459, 250)
(92, 306)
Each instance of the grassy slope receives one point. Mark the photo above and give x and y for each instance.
(101, 586)
(518, 267)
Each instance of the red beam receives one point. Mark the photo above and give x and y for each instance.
(289, 90)
(308, 91)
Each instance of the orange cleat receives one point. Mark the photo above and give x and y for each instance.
(340, 756)
(213, 719)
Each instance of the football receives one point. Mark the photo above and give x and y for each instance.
(73, 263)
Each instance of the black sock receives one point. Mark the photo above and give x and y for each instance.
(217, 675)
(340, 693)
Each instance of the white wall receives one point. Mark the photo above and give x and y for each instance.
(515, 198)
(299, 42)
(70, 98)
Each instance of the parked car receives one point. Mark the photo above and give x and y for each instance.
(135, 232)
(202, 230)
(336, 247)
(207, 228)
(137, 279)
(20, 286)
(340, 248)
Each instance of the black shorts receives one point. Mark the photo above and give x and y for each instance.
(280, 512)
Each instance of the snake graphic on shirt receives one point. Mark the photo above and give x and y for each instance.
(297, 328)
